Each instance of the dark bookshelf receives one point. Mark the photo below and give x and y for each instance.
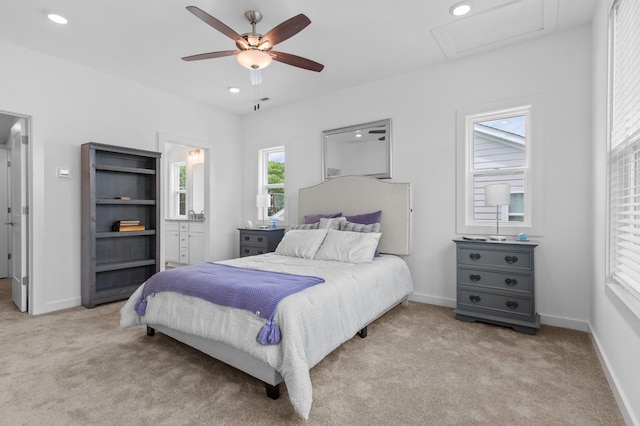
(118, 183)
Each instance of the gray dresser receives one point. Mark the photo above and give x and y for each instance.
(495, 283)
(259, 241)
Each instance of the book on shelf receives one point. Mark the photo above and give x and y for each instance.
(129, 228)
(128, 225)
(122, 198)
(127, 222)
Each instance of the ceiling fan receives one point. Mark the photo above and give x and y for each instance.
(254, 50)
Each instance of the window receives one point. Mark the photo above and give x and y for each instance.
(271, 176)
(623, 270)
(179, 189)
(496, 145)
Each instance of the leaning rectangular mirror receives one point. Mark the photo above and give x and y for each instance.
(363, 149)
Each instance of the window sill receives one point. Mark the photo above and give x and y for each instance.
(628, 304)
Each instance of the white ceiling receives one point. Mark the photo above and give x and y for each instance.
(358, 41)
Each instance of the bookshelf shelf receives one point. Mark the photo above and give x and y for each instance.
(114, 263)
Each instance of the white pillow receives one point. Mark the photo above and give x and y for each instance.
(301, 243)
(331, 223)
(347, 246)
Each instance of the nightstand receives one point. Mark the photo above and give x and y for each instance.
(259, 241)
(495, 283)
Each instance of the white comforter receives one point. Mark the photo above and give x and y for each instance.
(313, 322)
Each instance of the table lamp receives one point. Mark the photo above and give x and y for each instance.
(497, 194)
(263, 201)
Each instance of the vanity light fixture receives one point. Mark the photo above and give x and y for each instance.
(58, 19)
(460, 8)
(196, 156)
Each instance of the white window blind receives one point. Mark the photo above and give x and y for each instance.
(624, 158)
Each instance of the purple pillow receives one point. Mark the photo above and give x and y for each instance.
(313, 218)
(366, 219)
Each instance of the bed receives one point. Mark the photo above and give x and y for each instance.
(313, 322)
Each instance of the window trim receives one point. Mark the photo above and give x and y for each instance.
(533, 170)
(628, 298)
(176, 191)
(263, 185)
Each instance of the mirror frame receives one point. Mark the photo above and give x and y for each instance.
(326, 147)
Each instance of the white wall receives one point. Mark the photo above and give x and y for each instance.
(423, 108)
(614, 328)
(73, 105)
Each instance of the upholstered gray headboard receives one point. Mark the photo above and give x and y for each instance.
(353, 195)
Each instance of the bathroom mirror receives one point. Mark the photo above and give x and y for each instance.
(363, 149)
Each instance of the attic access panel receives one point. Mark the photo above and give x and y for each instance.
(507, 24)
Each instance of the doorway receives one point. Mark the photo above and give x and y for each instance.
(14, 229)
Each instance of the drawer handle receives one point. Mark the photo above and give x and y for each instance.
(511, 282)
(474, 256)
(475, 299)
(246, 250)
(260, 239)
(510, 259)
(511, 304)
(246, 238)
(474, 278)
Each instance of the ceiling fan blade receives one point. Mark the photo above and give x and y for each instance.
(218, 25)
(211, 55)
(296, 61)
(285, 30)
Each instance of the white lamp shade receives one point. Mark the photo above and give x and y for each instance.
(497, 194)
(254, 59)
(263, 200)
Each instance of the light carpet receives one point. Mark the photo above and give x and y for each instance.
(418, 366)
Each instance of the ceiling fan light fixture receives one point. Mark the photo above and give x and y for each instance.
(254, 59)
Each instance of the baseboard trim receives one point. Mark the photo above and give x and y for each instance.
(569, 323)
(619, 396)
(58, 305)
(430, 300)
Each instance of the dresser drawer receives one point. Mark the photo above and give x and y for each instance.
(491, 302)
(253, 239)
(251, 250)
(500, 280)
(495, 257)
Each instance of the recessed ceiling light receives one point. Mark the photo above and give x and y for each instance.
(460, 9)
(234, 89)
(58, 19)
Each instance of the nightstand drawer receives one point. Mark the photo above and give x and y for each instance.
(511, 259)
(499, 280)
(490, 302)
(251, 250)
(253, 239)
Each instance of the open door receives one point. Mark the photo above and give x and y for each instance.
(19, 210)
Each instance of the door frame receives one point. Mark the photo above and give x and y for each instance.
(163, 140)
(35, 197)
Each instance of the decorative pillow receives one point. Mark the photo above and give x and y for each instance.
(359, 227)
(313, 218)
(301, 243)
(346, 246)
(366, 218)
(305, 226)
(331, 223)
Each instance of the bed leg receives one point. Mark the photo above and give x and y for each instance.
(363, 333)
(150, 331)
(273, 392)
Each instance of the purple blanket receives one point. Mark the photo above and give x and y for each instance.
(251, 289)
